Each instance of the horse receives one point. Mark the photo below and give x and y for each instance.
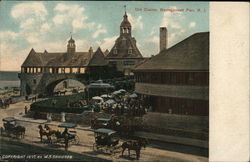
(134, 145)
(47, 133)
(6, 103)
(19, 130)
(51, 131)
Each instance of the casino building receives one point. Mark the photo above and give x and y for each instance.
(176, 81)
(124, 54)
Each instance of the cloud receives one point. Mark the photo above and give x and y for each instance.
(22, 10)
(82, 45)
(98, 32)
(8, 35)
(192, 24)
(45, 27)
(27, 23)
(154, 39)
(8, 62)
(136, 22)
(72, 14)
(171, 20)
(108, 42)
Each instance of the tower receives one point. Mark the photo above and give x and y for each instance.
(163, 38)
(125, 27)
(71, 47)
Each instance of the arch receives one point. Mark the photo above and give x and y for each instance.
(50, 88)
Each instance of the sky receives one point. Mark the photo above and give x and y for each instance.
(49, 24)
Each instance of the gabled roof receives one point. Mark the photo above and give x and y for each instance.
(33, 59)
(122, 45)
(56, 59)
(98, 58)
(190, 54)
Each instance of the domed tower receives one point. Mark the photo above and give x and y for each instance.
(125, 27)
(71, 47)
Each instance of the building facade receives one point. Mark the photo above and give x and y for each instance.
(41, 71)
(176, 80)
(124, 54)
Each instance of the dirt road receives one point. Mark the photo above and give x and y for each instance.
(155, 151)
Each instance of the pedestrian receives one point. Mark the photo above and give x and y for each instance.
(25, 109)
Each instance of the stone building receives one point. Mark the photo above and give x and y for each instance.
(41, 71)
(176, 80)
(124, 54)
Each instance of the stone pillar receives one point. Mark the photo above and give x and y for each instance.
(63, 117)
(49, 117)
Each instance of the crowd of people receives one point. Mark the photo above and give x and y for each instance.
(124, 105)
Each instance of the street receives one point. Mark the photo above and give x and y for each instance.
(155, 151)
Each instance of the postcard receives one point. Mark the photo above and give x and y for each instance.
(105, 81)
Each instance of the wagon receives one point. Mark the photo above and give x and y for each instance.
(10, 128)
(106, 140)
(100, 123)
(69, 133)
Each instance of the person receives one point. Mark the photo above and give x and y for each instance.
(67, 134)
(25, 109)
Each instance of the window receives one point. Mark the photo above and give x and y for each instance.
(115, 51)
(82, 70)
(67, 70)
(50, 70)
(34, 81)
(191, 78)
(130, 51)
(75, 70)
(128, 63)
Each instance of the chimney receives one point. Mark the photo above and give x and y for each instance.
(163, 38)
(90, 52)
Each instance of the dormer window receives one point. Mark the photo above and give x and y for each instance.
(130, 51)
(115, 51)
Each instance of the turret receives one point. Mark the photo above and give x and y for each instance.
(71, 47)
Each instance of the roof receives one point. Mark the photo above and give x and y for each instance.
(105, 131)
(122, 44)
(190, 54)
(56, 59)
(9, 119)
(103, 119)
(125, 22)
(67, 125)
(98, 59)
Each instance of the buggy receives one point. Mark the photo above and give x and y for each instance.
(105, 140)
(10, 128)
(70, 135)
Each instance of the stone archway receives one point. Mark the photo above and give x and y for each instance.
(50, 88)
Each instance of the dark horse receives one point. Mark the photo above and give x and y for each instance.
(47, 133)
(134, 145)
(18, 131)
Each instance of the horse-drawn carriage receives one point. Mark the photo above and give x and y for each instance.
(57, 137)
(69, 135)
(100, 123)
(105, 140)
(10, 128)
